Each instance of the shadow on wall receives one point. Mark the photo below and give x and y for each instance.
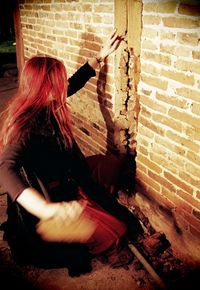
(164, 211)
(103, 97)
(103, 104)
(124, 162)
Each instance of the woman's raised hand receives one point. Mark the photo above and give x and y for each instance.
(110, 45)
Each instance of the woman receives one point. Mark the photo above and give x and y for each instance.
(57, 214)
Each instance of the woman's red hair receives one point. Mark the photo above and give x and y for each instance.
(43, 83)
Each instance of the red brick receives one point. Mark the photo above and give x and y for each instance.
(156, 82)
(188, 66)
(192, 169)
(157, 57)
(152, 126)
(177, 201)
(149, 163)
(180, 22)
(189, 218)
(162, 181)
(162, 119)
(196, 54)
(196, 108)
(195, 232)
(151, 19)
(172, 100)
(188, 198)
(102, 8)
(159, 7)
(184, 117)
(185, 142)
(190, 179)
(187, 9)
(152, 104)
(188, 38)
(188, 93)
(150, 33)
(178, 76)
(179, 183)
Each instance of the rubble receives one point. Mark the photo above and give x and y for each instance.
(157, 250)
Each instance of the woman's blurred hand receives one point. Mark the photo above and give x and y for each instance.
(64, 210)
(68, 223)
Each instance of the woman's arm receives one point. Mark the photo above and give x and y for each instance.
(60, 221)
(80, 78)
(15, 185)
(36, 204)
(28, 197)
(111, 44)
(85, 72)
(11, 161)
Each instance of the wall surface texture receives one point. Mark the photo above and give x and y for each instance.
(168, 139)
(145, 98)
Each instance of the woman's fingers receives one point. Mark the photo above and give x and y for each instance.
(113, 33)
(111, 44)
(116, 37)
(116, 45)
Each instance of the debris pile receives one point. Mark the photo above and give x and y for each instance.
(157, 250)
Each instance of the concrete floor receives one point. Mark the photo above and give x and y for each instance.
(102, 277)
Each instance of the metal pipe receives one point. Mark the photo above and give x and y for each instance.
(147, 266)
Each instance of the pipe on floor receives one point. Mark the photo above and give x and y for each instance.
(142, 259)
(148, 267)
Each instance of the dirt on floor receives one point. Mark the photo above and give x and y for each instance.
(157, 251)
(158, 268)
(102, 276)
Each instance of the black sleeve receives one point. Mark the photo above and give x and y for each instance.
(80, 78)
(11, 161)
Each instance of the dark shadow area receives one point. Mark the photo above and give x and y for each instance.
(8, 61)
(8, 65)
(7, 39)
(190, 280)
(104, 103)
(176, 274)
(11, 275)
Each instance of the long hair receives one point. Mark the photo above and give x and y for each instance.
(43, 83)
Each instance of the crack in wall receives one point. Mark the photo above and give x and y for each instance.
(128, 79)
(129, 92)
(128, 21)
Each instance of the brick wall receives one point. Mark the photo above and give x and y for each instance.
(168, 139)
(167, 67)
(73, 31)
